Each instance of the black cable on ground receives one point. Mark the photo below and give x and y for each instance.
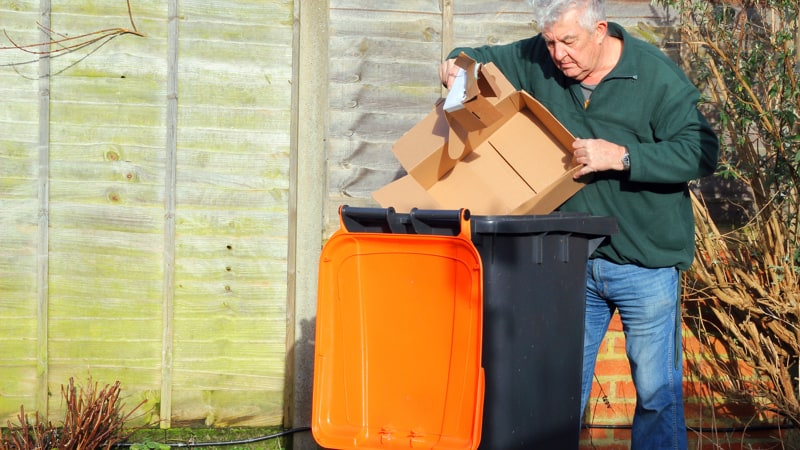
(742, 429)
(226, 443)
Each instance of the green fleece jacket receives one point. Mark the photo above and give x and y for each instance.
(647, 104)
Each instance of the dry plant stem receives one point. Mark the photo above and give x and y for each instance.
(742, 291)
(130, 16)
(747, 150)
(95, 37)
(730, 56)
(751, 288)
(65, 44)
(93, 420)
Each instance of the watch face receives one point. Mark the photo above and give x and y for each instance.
(626, 161)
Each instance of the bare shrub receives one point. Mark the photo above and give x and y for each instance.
(742, 291)
(93, 419)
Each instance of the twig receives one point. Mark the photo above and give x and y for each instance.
(64, 45)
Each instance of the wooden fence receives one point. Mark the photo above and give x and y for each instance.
(164, 194)
(144, 204)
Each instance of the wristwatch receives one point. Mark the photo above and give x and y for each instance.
(626, 161)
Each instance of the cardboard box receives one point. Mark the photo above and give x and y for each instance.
(496, 151)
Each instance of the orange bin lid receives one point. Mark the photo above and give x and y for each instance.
(398, 341)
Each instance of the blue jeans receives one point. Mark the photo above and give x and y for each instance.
(648, 304)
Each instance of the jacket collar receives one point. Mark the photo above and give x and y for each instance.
(626, 66)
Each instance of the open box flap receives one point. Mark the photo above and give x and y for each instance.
(484, 86)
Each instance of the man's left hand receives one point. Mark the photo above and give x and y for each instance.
(596, 155)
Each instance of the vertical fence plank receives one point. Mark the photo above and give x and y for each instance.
(308, 156)
(233, 148)
(42, 371)
(170, 185)
(447, 31)
(447, 26)
(22, 237)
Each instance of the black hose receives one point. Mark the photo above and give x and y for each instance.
(226, 443)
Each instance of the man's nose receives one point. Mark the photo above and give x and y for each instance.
(559, 51)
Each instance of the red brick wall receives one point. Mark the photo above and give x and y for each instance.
(713, 421)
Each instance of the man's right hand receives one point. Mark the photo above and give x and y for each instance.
(448, 71)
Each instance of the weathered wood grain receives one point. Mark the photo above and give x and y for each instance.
(230, 292)
(383, 80)
(106, 203)
(19, 211)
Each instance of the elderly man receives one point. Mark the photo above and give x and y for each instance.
(642, 138)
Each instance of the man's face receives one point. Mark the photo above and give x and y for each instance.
(575, 50)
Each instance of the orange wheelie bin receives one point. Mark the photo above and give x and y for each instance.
(399, 333)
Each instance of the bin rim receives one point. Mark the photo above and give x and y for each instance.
(563, 222)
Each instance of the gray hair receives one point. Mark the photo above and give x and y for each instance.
(547, 12)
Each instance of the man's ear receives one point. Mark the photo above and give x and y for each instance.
(600, 28)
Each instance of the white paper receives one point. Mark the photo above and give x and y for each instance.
(458, 92)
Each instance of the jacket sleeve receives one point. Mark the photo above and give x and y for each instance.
(685, 146)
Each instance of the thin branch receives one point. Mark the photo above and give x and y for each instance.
(94, 36)
(130, 16)
(60, 44)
